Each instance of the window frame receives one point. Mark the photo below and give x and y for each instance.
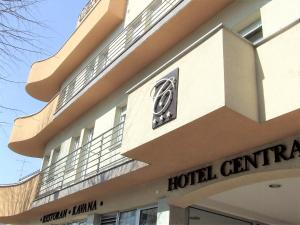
(137, 213)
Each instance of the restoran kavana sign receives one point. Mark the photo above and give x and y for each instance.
(261, 158)
(75, 210)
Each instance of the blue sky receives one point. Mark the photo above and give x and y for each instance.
(60, 17)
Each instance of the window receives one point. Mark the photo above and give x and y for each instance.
(51, 172)
(134, 31)
(101, 61)
(77, 223)
(118, 126)
(72, 157)
(108, 219)
(253, 32)
(66, 93)
(89, 138)
(144, 216)
(46, 161)
(127, 218)
(84, 153)
(88, 73)
(121, 114)
(148, 216)
(151, 16)
(197, 216)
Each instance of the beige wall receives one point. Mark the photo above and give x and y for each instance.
(103, 114)
(279, 13)
(16, 199)
(220, 72)
(207, 82)
(236, 16)
(46, 76)
(134, 8)
(231, 16)
(232, 77)
(152, 192)
(100, 117)
(232, 80)
(278, 74)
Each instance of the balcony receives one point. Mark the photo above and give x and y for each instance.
(138, 29)
(93, 166)
(29, 134)
(180, 19)
(96, 157)
(16, 198)
(146, 20)
(47, 75)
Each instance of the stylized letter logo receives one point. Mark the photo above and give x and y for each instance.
(164, 95)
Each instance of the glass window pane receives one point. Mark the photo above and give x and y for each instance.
(148, 216)
(127, 218)
(200, 217)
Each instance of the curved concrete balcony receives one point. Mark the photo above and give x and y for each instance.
(46, 76)
(16, 199)
(30, 134)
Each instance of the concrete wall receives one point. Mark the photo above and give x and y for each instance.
(278, 73)
(202, 88)
(16, 199)
(279, 13)
(236, 16)
(230, 16)
(220, 72)
(102, 116)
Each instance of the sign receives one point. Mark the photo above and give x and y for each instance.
(264, 157)
(75, 210)
(165, 99)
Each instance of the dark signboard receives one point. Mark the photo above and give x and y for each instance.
(75, 210)
(164, 95)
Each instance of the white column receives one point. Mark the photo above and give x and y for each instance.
(93, 219)
(170, 215)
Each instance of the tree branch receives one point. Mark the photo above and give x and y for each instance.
(11, 109)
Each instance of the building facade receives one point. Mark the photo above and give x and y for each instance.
(180, 112)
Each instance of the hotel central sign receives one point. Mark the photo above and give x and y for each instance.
(241, 164)
(164, 95)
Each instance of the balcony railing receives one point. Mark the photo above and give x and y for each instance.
(95, 157)
(86, 10)
(146, 20)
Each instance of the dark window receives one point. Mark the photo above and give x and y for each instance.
(148, 216)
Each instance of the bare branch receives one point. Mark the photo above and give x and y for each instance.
(17, 40)
(16, 25)
(12, 81)
(12, 109)
(4, 123)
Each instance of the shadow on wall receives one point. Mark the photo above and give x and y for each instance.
(261, 98)
(278, 73)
